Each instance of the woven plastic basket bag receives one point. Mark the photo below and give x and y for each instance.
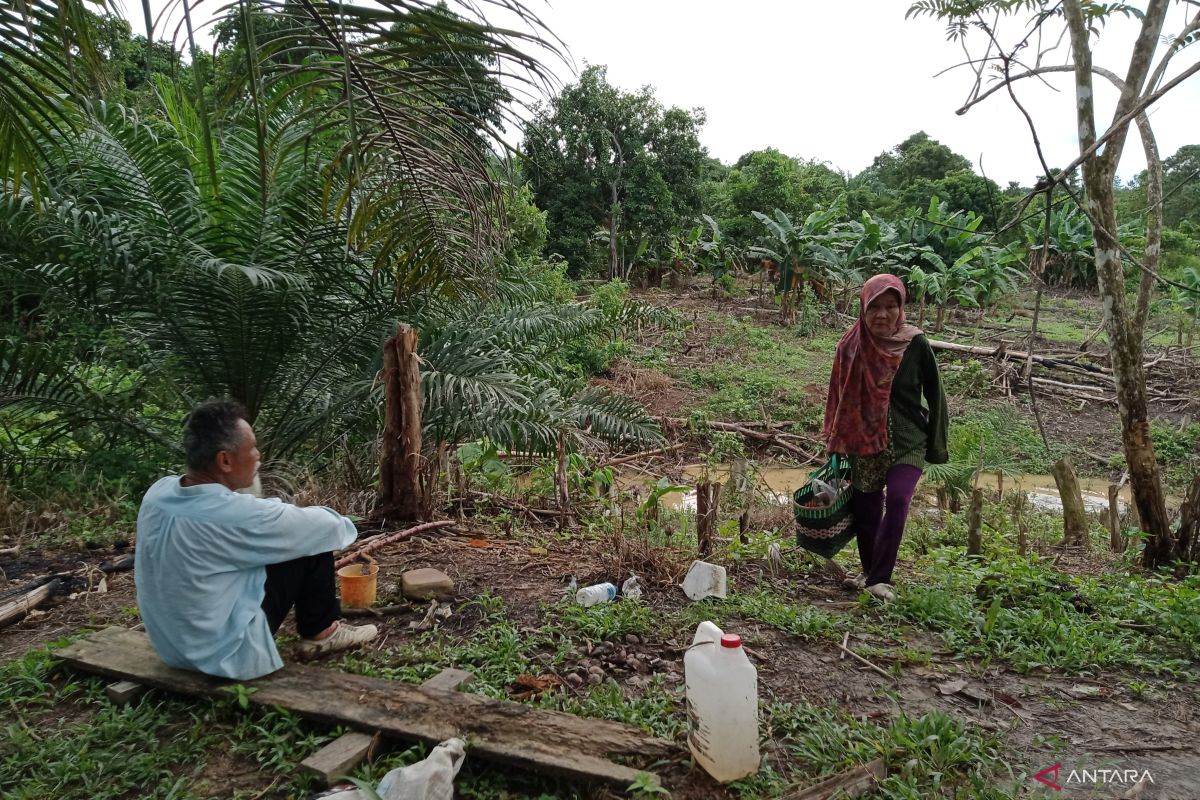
(825, 531)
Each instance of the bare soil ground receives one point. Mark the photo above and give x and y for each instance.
(1041, 718)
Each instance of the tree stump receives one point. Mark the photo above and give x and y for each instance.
(1115, 540)
(1187, 546)
(975, 524)
(743, 485)
(1075, 527)
(560, 481)
(401, 486)
(707, 496)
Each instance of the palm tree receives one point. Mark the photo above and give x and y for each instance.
(220, 294)
(337, 192)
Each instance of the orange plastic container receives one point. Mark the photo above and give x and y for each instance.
(357, 584)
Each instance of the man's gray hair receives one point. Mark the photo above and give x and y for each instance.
(210, 428)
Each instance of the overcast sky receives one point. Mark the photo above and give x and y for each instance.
(842, 81)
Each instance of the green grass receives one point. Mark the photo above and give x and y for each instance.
(763, 372)
(795, 618)
(658, 709)
(492, 648)
(602, 622)
(932, 755)
(62, 738)
(1021, 610)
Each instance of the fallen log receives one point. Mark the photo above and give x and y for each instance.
(767, 437)
(661, 451)
(391, 538)
(26, 599)
(1019, 355)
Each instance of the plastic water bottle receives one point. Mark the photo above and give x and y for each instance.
(722, 704)
(598, 593)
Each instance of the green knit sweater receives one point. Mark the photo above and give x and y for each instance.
(913, 427)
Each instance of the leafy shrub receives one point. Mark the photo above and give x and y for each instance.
(967, 380)
(1177, 451)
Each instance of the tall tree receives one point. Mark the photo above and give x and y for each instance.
(919, 168)
(767, 180)
(1142, 83)
(601, 158)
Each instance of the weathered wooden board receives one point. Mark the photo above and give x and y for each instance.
(543, 741)
(124, 692)
(338, 757)
(347, 751)
(449, 680)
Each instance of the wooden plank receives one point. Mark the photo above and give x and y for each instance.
(511, 733)
(448, 680)
(124, 692)
(338, 757)
(850, 783)
(345, 753)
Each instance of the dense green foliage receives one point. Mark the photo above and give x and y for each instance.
(601, 160)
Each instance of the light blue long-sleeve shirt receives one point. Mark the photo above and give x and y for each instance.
(200, 567)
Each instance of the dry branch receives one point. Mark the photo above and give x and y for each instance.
(850, 783)
(391, 538)
(865, 663)
(661, 451)
(770, 437)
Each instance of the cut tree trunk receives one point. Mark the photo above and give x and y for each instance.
(23, 602)
(1188, 543)
(401, 488)
(1115, 540)
(1075, 528)
(707, 496)
(560, 482)
(975, 524)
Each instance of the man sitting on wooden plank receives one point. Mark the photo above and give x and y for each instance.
(217, 570)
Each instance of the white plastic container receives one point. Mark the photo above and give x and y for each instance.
(722, 704)
(598, 593)
(704, 580)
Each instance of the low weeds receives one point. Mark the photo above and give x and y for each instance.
(602, 622)
(659, 710)
(1022, 610)
(800, 619)
(930, 755)
(70, 519)
(491, 647)
(62, 738)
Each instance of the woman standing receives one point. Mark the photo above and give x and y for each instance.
(882, 370)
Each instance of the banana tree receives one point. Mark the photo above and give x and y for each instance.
(805, 254)
(1066, 256)
(943, 257)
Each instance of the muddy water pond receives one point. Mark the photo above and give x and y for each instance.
(776, 484)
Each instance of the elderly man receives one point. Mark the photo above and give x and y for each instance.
(217, 571)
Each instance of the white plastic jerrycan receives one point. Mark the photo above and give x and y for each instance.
(722, 704)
